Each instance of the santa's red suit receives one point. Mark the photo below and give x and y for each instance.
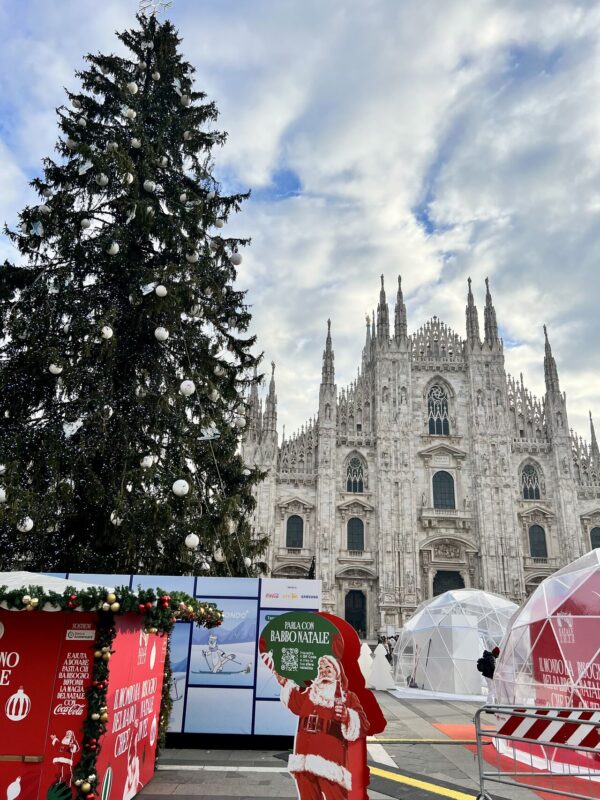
(319, 761)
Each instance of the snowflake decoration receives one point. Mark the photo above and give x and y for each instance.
(153, 7)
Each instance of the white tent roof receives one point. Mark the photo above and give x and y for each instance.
(20, 580)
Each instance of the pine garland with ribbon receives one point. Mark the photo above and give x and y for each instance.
(160, 611)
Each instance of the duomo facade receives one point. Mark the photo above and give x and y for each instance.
(434, 469)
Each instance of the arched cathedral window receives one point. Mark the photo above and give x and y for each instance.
(537, 542)
(356, 534)
(437, 410)
(443, 490)
(354, 475)
(530, 482)
(595, 538)
(294, 533)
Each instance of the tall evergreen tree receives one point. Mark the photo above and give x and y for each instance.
(121, 336)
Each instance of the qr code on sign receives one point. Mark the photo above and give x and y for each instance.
(289, 659)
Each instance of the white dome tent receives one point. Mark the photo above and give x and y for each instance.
(439, 646)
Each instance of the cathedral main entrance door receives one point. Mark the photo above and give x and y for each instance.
(446, 579)
(356, 611)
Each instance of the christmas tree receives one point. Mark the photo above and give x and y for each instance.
(124, 364)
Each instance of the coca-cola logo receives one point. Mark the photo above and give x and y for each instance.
(76, 710)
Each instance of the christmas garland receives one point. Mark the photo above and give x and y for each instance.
(160, 611)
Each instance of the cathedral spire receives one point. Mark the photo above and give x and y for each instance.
(491, 326)
(368, 337)
(328, 374)
(373, 335)
(254, 403)
(400, 324)
(594, 442)
(550, 371)
(383, 317)
(472, 319)
(270, 415)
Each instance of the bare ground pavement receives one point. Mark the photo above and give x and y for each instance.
(398, 768)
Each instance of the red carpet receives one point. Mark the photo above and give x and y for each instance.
(498, 762)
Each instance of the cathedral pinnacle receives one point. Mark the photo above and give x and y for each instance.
(491, 326)
(270, 415)
(594, 442)
(400, 322)
(383, 317)
(472, 319)
(328, 374)
(550, 371)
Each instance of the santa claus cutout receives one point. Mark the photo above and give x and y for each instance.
(329, 758)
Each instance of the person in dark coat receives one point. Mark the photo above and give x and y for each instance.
(487, 666)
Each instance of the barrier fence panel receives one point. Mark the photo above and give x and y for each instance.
(553, 750)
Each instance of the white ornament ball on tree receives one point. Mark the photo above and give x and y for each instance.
(164, 161)
(219, 556)
(246, 472)
(219, 370)
(214, 395)
(192, 541)
(240, 423)
(146, 462)
(131, 113)
(76, 102)
(247, 562)
(149, 186)
(55, 369)
(186, 100)
(236, 259)
(162, 334)
(44, 209)
(132, 87)
(116, 519)
(156, 75)
(102, 179)
(85, 224)
(136, 143)
(2, 494)
(112, 147)
(187, 135)
(187, 388)
(128, 178)
(211, 196)
(219, 223)
(71, 143)
(107, 411)
(183, 197)
(82, 122)
(191, 258)
(47, 192)
(113, 249)
(106, 332)
(180, 488)
(25, 525)
(205, 566)
(160, 290)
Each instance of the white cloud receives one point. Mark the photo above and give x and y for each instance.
(482, 116)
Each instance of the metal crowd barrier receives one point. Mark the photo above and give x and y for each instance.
(548, 732)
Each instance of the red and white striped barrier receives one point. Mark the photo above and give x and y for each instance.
(564, 728)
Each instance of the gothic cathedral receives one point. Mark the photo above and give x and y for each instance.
(433, 470)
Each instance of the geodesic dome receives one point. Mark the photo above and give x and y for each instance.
(439, 646)
(551, 656)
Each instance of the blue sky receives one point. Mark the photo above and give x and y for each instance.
(377, 136)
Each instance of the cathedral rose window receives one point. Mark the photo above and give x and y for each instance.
(437, 409)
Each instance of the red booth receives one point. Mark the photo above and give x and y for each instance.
(81, 692)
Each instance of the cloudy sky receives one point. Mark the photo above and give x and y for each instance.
(435, 139)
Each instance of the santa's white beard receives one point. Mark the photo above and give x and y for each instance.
(322, 693)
